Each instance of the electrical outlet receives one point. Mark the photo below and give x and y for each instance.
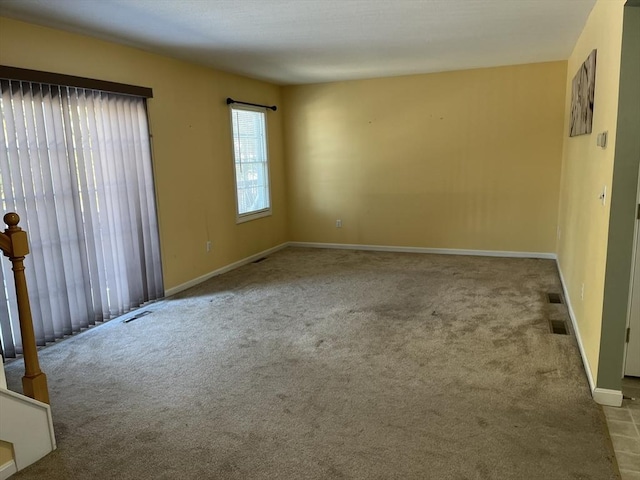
(582, 292)
(208, 246)
(338, 223)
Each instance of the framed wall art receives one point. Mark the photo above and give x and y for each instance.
(582, 94)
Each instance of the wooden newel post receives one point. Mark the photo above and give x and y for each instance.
(34, 382)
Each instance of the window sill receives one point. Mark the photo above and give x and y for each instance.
(247, 217)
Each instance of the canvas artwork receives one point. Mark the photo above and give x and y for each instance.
(582, 93)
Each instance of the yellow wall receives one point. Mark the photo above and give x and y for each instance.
(192, 142)
(466, 159)
(583, 220)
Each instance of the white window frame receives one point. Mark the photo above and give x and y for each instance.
(265, 212)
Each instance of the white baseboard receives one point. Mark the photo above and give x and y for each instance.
(220, 271)
(7, 469)
(574, 323)
(437, 251)
(602, 396)
(347, 246)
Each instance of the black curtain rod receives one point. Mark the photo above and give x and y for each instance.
(231, 100)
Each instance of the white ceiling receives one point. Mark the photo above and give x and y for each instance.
(309, 41)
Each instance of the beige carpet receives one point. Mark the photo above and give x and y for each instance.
(328, 364)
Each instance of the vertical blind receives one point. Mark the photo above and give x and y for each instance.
(75, 164)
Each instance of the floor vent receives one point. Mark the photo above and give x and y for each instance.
(136, 316)
(554, 298)
(558, 327)
(557, 314)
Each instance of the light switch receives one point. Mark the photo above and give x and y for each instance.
(601, 139)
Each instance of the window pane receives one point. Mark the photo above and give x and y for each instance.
(250, 157)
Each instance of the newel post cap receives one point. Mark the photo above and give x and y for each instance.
(19, 241)
(12, 219)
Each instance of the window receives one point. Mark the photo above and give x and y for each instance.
(251, 163)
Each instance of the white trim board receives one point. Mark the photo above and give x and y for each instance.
(437, 251)
(8, 469)
(347, 246)
(603, 396)
(221, 270)
(576, 330)
(600, 395)
(27, 424)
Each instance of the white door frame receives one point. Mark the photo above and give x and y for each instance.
(635, 263)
